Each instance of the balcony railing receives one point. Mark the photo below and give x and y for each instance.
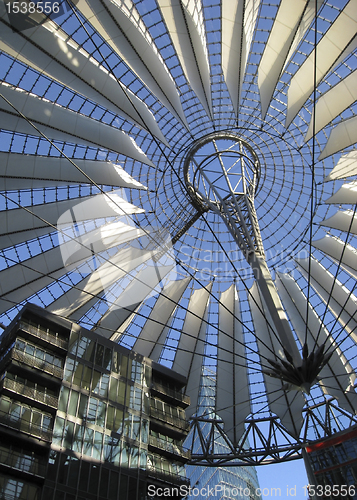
(166, 476)
(171, 448)
(42, 365)
(171, 393)
(23, 425)
(44, 335)
(31, 393)
(17, 460)
(180, 423)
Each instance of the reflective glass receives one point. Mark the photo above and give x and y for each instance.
(72, 408)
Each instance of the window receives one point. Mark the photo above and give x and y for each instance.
(24, 417)
(77, 373)
(87, 375)
(99, 355)
(16, 488)
(63, 400)
(72, 408)
(58, 431)
(70, 368)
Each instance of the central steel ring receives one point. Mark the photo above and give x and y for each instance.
(219, 166)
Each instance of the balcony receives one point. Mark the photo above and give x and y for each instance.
(43, 334)
(30, 393)
(25, 463)
(170, 395)
(33, 362)
(180, 424)
(161, 475)
(22, 425)
(167, 448)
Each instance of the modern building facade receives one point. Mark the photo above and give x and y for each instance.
(224, 482)
(84, 418)
(331, 464)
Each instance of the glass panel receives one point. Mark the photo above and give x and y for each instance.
(73, 472)
(147, 377)
(104, 480)
(142, 490)
(136, 403)
(116, 362)
(52, 467)
(125, 455)
(15, 412)
(99, 355)
(69, 369)
(110, 418)
(94, 479)
(20, 345)
(116, 451)
(82, 409)
(113, 388)
(82, 346)
(121, 392)
(49, 358)
(96, 381)
(143, 459)
(73, 342)
(157, 463)
(113, 485)
(47, 422)
(87, 373)
(134, 457)
(107, 358)
(4, 406)
(78, 438)
(89, 354)
(150, 461)
(131, 392)
(127, 424)
(100, 420)
(29, 349)
(68, 435)
(92, 410)
(57, 432)
(83, 478)
(144, 431)
(63, 468)
(118, 421)
(77, 375)
(136, 428)
(57, 361)
(88, 442)
(123, 488)
(136, 371)
(72, 408)
(98, 445)
(166, 465)
(104, 385)
(25, 420)
(146, 402)
(132, 487)
(124, 365)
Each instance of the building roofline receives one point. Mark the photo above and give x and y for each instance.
(72, 326)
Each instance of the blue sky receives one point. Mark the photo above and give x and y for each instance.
(286, 476)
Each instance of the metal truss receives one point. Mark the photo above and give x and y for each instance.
(265, 440)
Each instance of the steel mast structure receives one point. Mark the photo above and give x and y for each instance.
(180, 177)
